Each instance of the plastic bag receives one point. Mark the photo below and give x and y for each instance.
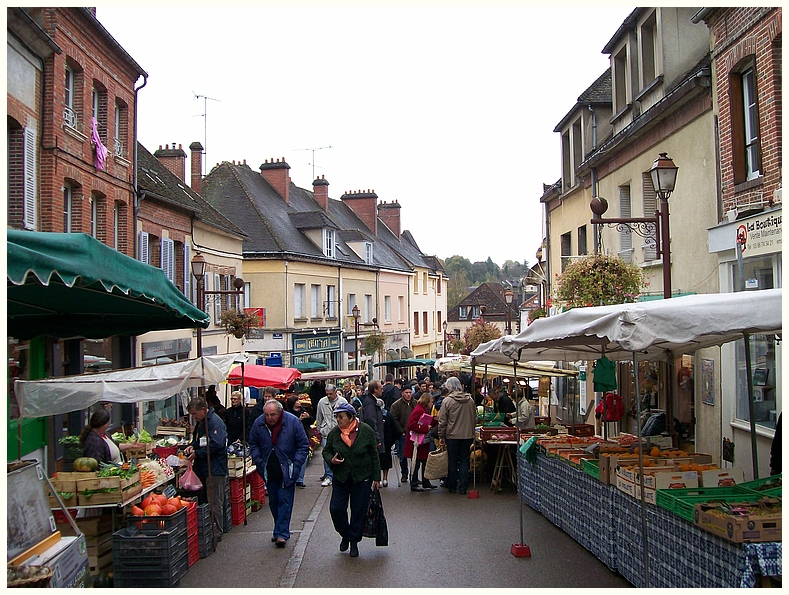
(189, 480)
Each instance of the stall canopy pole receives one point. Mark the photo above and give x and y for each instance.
(209, 482)
(751, 405)
(641, 478)
(517, 455)
(243, 445)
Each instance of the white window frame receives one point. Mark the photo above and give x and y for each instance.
(29, 158)
(387, 308)
(299, 295)
(463, 312)
(95, 103)
(750, 105)
(167, 258)
(143, 254)
(217, 286)
(331, 301)
(401, 308)
(93, 213)
(187, 270)
(625, 235)
(118, 144)
(68, 207)
(368, 252)
(315, 301)
(351, 303)
(368, 308)
(328, 243)
(68, 96)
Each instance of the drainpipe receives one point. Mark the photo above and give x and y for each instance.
(136, 207)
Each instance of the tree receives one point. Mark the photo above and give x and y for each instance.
(478, 333)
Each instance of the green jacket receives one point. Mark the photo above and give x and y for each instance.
(361, 459)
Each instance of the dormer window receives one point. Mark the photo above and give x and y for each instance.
(328, 243)
(368, 253)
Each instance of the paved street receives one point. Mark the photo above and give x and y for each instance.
(436, 539)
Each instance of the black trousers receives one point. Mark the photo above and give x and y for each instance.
(358, 494)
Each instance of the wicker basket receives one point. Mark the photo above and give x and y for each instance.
(41, 580)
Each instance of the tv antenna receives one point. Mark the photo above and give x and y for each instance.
(313, 156)
(205, 127)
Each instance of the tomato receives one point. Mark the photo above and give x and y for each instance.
(137, 511)
(153, 510)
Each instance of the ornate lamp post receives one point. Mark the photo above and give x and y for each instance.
(444, 326)
(198, 270)
(508, 295)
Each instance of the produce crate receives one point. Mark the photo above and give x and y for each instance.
(238, 492)
(191, 518)
(259, 494)
(768, 486)
(165, 451)
(592, 467)
(255, 480)
(580, 429)
(762, 522)
(145, 577)
(504, 433)
(193, 555)
(139, 452)
(682, 501)
(171, 431)
(155, 524)
(151, 560)
(238, 513)
(70, 501)
(114, 497)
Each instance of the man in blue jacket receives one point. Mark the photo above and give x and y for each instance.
(209, 442)
(279, 447)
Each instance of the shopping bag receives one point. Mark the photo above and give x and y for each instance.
(382, 536)
(189, 480)
(371, 522)
(437, 465)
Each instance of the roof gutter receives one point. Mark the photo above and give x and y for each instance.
(701, 15)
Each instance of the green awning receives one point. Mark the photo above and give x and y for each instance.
(71, 285)
(310, 367)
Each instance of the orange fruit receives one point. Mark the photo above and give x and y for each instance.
(153, 510)
(137, 511)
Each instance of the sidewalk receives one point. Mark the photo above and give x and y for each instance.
(436, 539)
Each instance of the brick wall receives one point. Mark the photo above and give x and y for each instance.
(742, 34)
(365, 205)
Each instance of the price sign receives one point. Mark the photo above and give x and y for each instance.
(169, 491)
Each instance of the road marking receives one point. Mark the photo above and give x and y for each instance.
(294, 563)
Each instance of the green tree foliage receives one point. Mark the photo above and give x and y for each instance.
(478, 333)
(599, 280)
(463, 275)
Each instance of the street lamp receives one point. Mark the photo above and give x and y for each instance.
(508, 295)
(198, 270)
(444, 325)
(654, 229)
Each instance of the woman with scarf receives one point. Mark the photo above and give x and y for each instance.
(419, 424)
(352, 452)
(95, 442)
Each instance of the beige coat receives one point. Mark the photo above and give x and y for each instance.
(457, 417)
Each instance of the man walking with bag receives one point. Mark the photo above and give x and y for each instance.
(325, 422)
(456, 420)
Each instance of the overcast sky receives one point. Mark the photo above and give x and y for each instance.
(449, 111)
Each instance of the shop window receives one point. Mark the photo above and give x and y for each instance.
(763, 374)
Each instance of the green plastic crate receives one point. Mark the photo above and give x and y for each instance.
(592, 467)
(682, 501)
(768, 486)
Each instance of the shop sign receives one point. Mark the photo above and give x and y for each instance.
(760, 235)
(315, 344)
(582, 388)
(156, 349)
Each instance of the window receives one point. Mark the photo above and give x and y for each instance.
(424, 283)
(625, 235)
(650, 206)
(68, 209)
(168, 258)
(388, 308)
(746, 154)
(567, 249)
(117, 145)
(95, 104)
(142, 247)
(582, 249)
(620, 80)
(116, 229)
(351, 303)
(438, 290)
(751, 119)
(30, 178)
(416, 283)
(463, 312)
(648, 38)
(187, 269)
(763, 373)
(368, 308)
(475, 312)
(71, 107)
(438, 321)
(578, 147)
(368, 252)
(331, 301)
(416, 323)
(328, 243)
(217, 287)
(299, 294)
(93, 206)
(400, 308)
(425, 326)
(315, 301)
(567, 168)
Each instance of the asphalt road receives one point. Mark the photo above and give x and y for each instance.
(436, 539)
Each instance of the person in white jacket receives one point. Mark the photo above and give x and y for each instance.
(325, 422)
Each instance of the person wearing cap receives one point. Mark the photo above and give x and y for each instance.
(352, 452)
(326, 422)
(279, 447)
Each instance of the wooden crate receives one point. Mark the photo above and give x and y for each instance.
(115, 497)
(101, 483)
(53, 502)
(139, 452)
(171, 431)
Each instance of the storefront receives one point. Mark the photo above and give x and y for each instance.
(320, 347)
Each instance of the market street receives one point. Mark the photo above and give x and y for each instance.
(436, 539)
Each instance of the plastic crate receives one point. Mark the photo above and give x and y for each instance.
(193, 554)
(768, 486)
(238, 513)
(165, 576)
(238, 491)
(146, 550)
(154, 524)
(592, 468)
(682, 501)
(255, 480)
(165, 451)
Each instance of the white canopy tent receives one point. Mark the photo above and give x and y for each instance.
(661, 329)
(52, 396)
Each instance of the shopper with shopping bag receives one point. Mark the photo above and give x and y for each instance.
(456, 420)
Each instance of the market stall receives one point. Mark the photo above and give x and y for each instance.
(261, 376)
(644, 330)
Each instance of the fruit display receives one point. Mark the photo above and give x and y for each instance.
(158, 505)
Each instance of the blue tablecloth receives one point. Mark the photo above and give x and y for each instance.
(607, 522)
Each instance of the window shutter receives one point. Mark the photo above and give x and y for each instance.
(625, 236)
(142, 247)
(217, 300)
(187, 271)
(650, 206)
(168, 258)
(30, 178)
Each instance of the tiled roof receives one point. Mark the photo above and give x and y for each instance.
(599, 91)
(160, 183)
(312, 220)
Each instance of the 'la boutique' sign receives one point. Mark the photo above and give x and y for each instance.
(760, 235)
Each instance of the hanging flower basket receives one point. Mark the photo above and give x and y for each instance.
(238, 323)
(599, 280)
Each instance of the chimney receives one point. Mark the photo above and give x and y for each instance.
(389, 213)
(197, 167)
(173, 159)
(364, 205)
(320, 190)
(276, 174)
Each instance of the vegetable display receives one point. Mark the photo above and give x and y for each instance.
(86, 464)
